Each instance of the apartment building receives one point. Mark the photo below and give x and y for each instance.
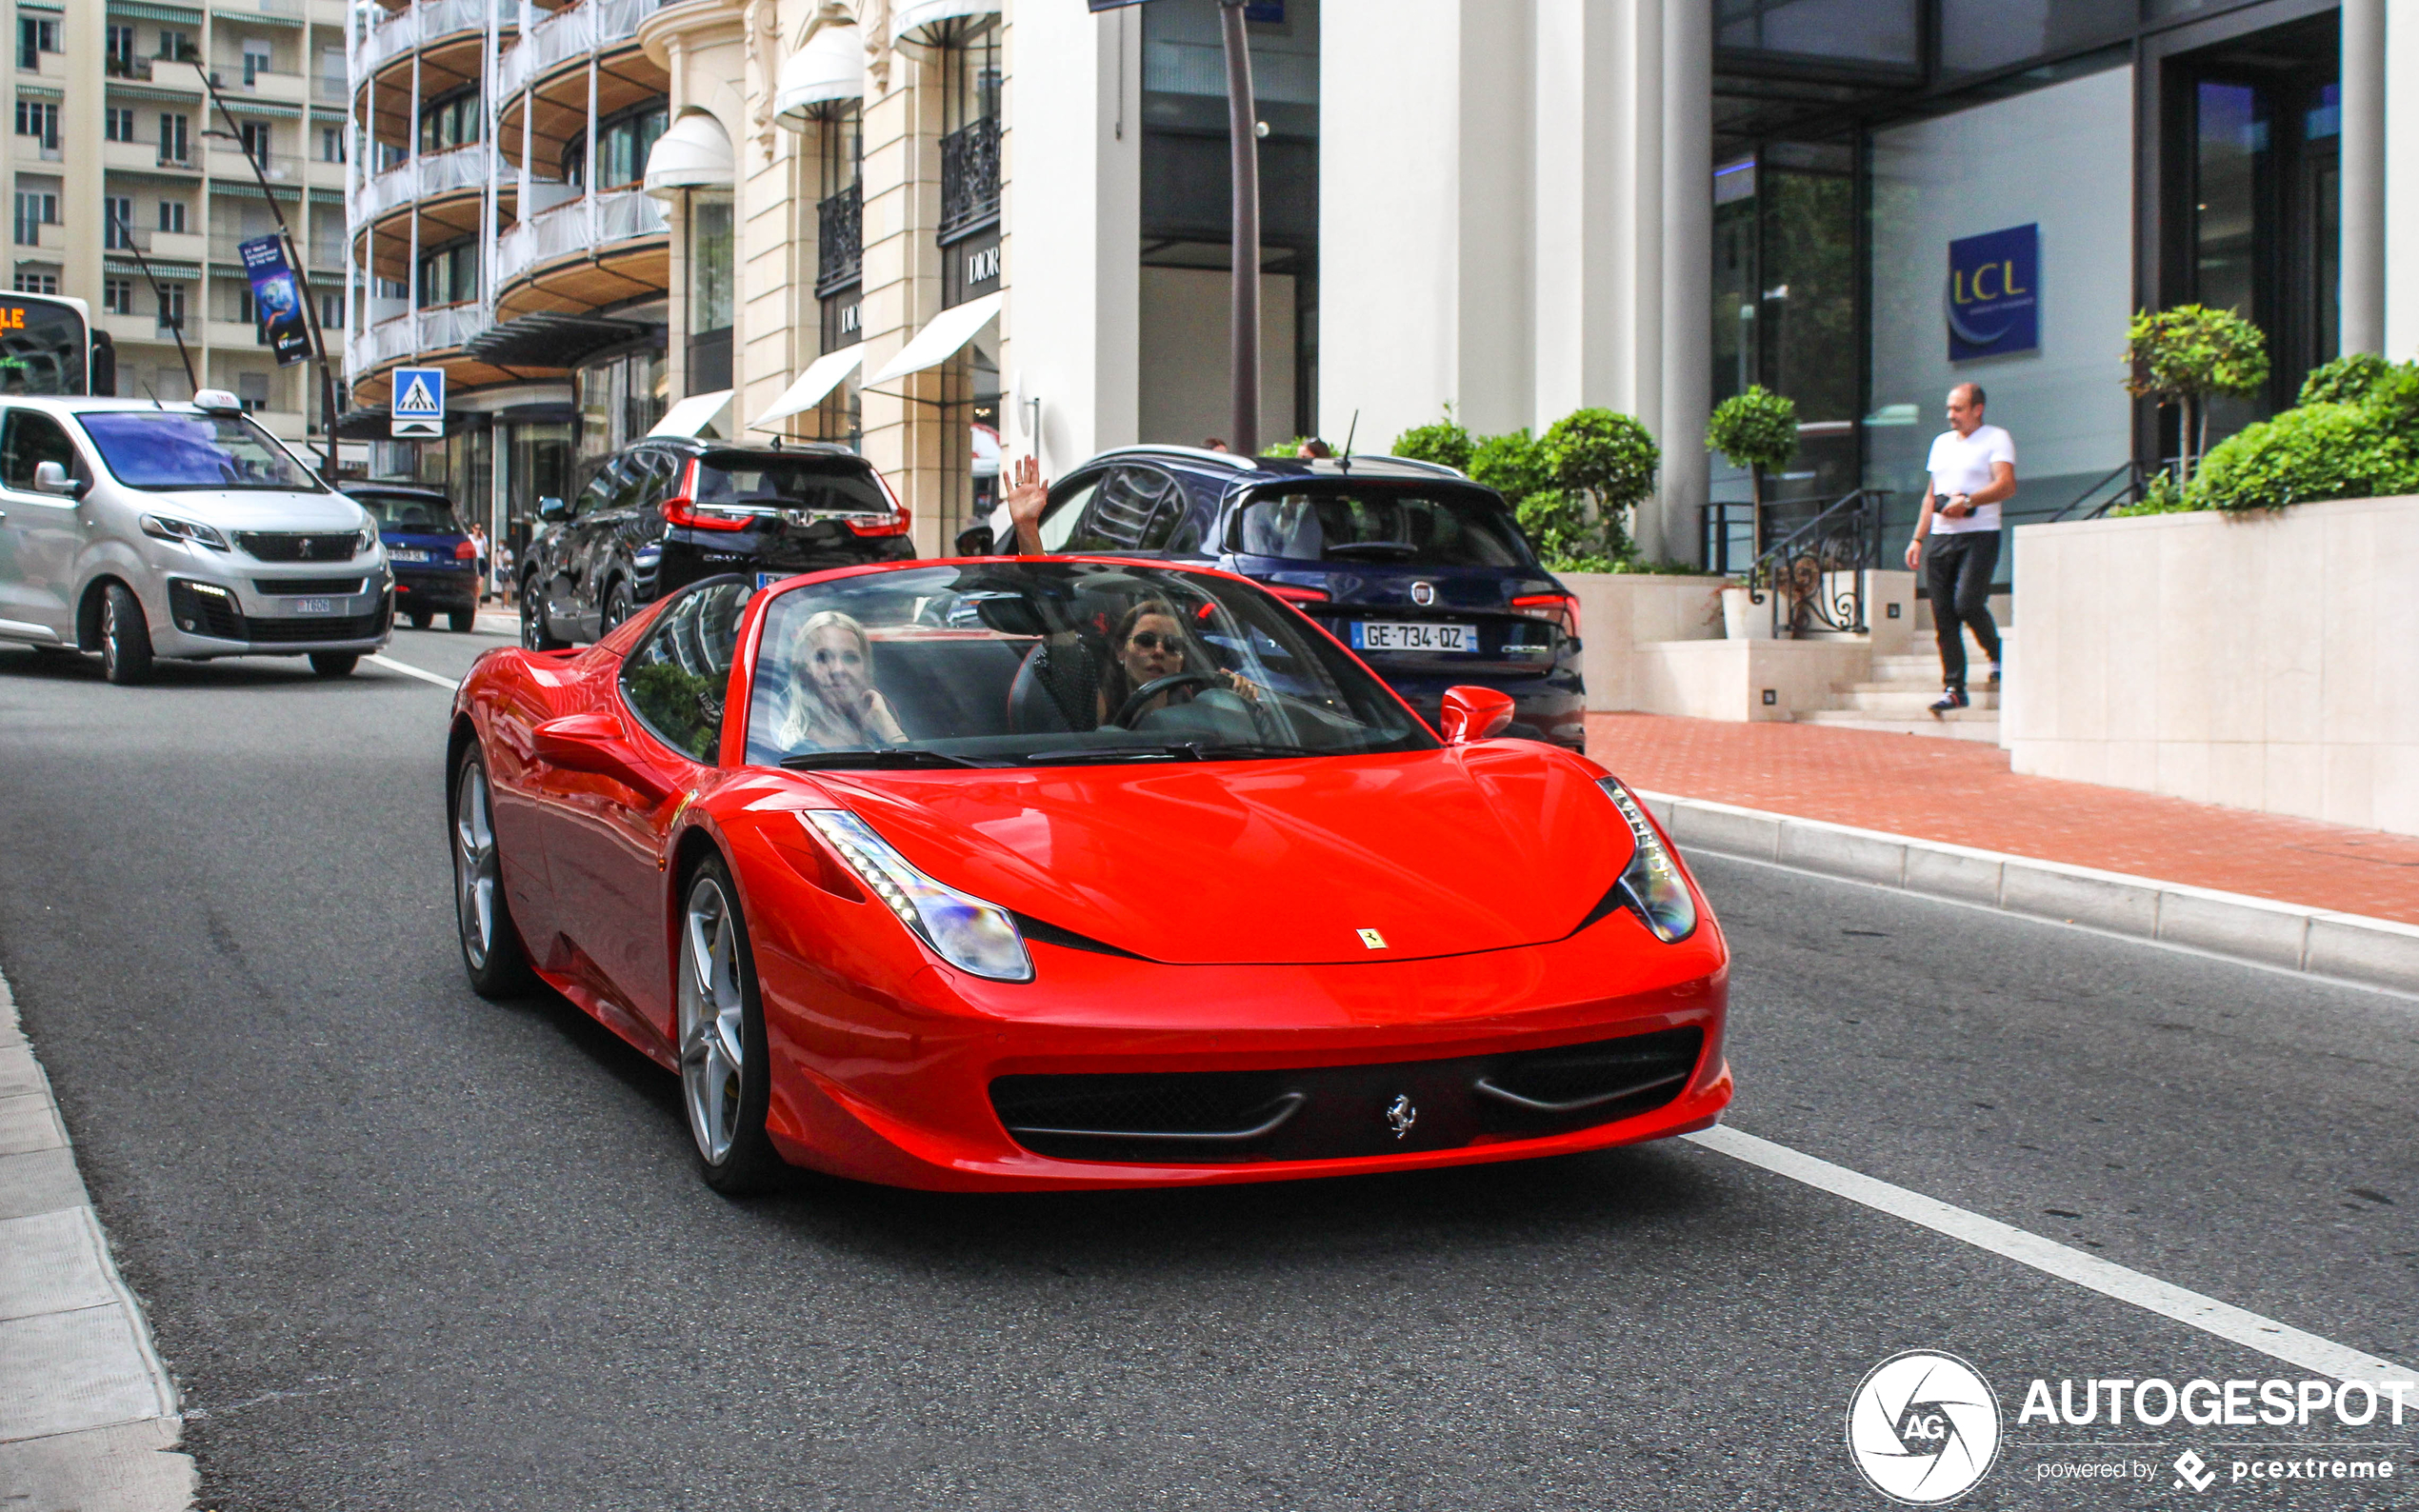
(130, 190)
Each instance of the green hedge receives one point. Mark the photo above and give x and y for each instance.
(2355, 435)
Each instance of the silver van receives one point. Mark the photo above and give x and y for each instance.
(142, 530)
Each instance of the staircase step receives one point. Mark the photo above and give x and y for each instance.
(1985, 729)
(1899, 699)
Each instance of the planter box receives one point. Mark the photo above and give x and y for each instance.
(2266, 661)
(1730, 679)
(1622, 611)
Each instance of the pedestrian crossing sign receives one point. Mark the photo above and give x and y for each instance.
(419, 403)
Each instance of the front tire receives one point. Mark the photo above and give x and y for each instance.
(492, 952)
(725, 1070)
(126, 637)
(536, 633)
(334, 664)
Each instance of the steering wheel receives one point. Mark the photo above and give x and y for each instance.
(1152, 689)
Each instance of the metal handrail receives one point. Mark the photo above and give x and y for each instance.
(1803, 570)
(2136, 479)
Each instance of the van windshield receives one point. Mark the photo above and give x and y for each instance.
(1414, 526)
(169, 448)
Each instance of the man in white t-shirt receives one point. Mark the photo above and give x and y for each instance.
(1974, 468)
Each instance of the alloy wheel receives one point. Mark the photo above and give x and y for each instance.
(475, 872)
(712, 1020)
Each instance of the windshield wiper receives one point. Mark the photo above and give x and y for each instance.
(894, 759)
(1219, 750)
(1199, 750)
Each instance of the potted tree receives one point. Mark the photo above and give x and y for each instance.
(1756, 431)
(2188, 356)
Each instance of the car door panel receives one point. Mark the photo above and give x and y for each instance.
(41, 534)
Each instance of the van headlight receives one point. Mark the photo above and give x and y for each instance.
(367, 541)
(1652, 885)
(183, 532)
(969, 934)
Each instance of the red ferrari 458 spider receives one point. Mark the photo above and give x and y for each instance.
(1024, 873)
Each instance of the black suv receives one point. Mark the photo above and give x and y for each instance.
(1422, 572)
(666, 511)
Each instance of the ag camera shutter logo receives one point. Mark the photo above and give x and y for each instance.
(1923, 1427)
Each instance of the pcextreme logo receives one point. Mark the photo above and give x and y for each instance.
(1923, 1427)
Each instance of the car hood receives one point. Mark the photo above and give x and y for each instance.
(1478, 848)
(252, 509)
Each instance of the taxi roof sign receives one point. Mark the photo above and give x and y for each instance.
(419, 403)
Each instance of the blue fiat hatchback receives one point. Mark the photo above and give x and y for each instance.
(434, 561)
(1422, 572)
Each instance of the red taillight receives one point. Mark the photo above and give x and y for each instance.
(467, 551)
(1297, 595)
(681, 508)
(899, 521)
(1559, 608)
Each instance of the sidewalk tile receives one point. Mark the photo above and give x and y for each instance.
(53, 1265)
(40, 1181)
(27, 1122)
(1962, 793)
(63, 1372)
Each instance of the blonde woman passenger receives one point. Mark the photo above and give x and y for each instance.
(833, 705)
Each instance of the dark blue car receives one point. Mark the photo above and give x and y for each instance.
(434, 561)
(1422, 572)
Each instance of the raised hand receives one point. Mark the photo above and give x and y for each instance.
(1028, 496)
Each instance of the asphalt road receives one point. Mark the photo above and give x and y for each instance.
(407, 1249)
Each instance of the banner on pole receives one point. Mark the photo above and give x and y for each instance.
(419, 403)
(276, 300)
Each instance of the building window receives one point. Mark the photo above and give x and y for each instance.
(39, 118)
(251, 389)
(255, 138)
(331, 311)
(118, 52)
(172, 306)
(451, 274)
(117, 125)
(177, 46)
(970, 115)
(175, 138)
(173, 217)
(622, 144)
(117, 296)
(246, 314)
(449, 122)
(117, 222)
(257, 61)
(331, 144)
(35, 209)
(37, 283)
(35, 36)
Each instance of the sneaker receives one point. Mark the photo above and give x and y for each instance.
(1995, 674)
(1952, 699)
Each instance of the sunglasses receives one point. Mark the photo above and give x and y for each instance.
(1154, 641)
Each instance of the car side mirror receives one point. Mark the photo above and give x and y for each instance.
(975, 540)
(594, 744)
(1474, 713)
(51, 477)
(551, 508)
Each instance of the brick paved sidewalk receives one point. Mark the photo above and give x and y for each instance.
(1963, 794)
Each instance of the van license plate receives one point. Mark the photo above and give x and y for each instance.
(1381, 635)
(314, 605)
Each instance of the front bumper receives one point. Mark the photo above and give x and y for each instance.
(200, 616)
(900, 1090)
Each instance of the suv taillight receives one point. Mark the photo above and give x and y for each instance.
(1558, 608)
(467, 551)
(681, 508)
(898, 521)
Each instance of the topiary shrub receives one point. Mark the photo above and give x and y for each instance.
(1610, 460)
(2188, 356)
(2317, 451)
(1448, 442)
(1756, 431)
(1513, 465)
(2347, 380)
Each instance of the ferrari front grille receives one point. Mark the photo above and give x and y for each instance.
(1335, 1112)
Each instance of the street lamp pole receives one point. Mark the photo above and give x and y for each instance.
(1243, 131)
(295, 261)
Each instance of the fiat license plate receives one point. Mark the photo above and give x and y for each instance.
(1383, 635)
(314, 605)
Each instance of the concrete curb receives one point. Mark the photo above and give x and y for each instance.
(2347, 947)
(87, 1413)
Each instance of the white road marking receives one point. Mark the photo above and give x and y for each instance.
(408, 670)
(2106, 1277)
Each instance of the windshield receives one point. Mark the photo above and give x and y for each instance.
(839, 484)
(168, 448)
(414, 512)
(1055, 663)
(1346, 523)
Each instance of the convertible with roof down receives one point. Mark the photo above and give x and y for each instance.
(1072, 872)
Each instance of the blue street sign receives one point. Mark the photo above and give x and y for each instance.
(419, 403)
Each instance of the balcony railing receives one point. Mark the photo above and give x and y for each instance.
(839, 240)
(621, 215)
(440, 328)
(278, 168)
(969, 177)
(422, 177)
(567, 34)
(401, 31)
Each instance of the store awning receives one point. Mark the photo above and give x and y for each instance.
(824, 374)
(828, 71)
(941, 338)
(911, 19)
(695, 153)
(550, 339)
(692, 415)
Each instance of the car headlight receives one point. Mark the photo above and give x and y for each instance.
(1651, 885)
(967, 932)
(183, 532)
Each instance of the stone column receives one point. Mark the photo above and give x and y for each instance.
(1668, 526)
(2363, 233)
